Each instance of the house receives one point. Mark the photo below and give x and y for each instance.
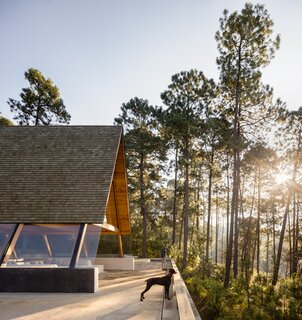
(61, 188)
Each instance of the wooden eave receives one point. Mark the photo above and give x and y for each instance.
(117, 209)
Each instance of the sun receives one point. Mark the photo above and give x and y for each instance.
(281, 178)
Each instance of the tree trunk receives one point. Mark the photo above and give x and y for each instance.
(231, 234)
(236, 206)
(278, 259)
(236, 181)
(294, 269)
(37, 117)
(143, 206)
(192, 235)
(209, 205)
(228, 203)
(246, 243)
(258, 220)
(290, 244)
(217, 230)
(267, 245)
(198, 200)
(296, 211)
(181, 228)
(253, 257)
(222, 241)
(294, 251)
(175, 198)
(295, 262)
(186, 220)
(274, 233)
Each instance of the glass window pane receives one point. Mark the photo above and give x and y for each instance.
(108, 246)
(5, 234)
(45, 246)
(90, 245)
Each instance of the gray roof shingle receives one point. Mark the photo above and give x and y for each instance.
(56, 174)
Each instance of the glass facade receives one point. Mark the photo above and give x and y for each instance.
(44, 246)
(6, 231)
(90, 245)
(49, 246)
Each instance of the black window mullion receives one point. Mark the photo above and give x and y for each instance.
(78, 245)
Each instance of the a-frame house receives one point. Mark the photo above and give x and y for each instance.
(61, 187)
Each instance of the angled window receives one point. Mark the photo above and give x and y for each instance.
(6, 231)
(45, 246)
(90, 245)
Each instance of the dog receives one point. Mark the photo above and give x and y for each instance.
(163, 281)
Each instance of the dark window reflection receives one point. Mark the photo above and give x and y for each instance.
(5, 234)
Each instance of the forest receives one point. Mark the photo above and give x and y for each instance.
(214, 173)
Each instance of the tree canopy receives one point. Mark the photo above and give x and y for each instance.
(5, 121)
(40, 104)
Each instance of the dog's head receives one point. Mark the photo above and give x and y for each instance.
(172, 271)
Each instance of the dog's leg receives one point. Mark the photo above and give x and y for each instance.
(167, 292)
(148, 286)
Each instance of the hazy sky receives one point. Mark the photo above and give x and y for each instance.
(101, 53)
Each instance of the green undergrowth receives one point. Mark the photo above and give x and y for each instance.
(257, 299)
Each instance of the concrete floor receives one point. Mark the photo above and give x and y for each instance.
(117, 299)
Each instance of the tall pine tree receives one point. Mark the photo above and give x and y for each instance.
(245, 45)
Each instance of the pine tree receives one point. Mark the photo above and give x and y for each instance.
(245, 45)
(41, 103)
(144, 149)
(187, 98)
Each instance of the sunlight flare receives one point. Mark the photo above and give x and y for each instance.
(281, 178)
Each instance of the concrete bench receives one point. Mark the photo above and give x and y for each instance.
(115, 263)
(100, 267)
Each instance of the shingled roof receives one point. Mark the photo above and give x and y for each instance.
(60, 174)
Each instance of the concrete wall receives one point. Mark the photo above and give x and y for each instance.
(48, 280)
(115, 263)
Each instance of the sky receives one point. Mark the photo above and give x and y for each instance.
(102, 53)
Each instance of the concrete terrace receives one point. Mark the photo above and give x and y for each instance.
(117, 299)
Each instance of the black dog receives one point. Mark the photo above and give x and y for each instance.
(163, 281)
